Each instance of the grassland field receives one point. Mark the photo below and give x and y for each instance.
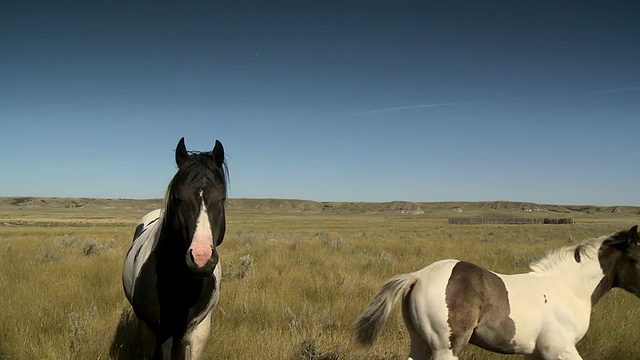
(293, 282)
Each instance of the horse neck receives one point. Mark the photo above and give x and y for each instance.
(585, 279)
(609, 263)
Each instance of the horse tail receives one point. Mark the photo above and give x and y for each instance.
(368, 325)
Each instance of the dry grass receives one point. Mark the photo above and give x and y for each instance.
(292, 283)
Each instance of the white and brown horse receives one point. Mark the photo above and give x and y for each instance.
(171, 273)
(541, 314)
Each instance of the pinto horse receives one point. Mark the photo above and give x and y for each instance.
(171, 273)
(541, 314)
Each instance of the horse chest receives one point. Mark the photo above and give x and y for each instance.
(161, 299)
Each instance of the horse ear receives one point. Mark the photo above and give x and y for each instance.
(218, 154)
(181, 152)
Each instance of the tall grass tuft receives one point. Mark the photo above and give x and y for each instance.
(240, 269)
(309, 351)
(78, 329)
(90, 247)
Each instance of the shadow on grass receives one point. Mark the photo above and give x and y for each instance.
(126, 343)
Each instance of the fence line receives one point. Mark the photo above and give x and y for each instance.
(512, 221)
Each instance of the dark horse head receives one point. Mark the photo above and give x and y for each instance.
(194, 215)
(619, 258)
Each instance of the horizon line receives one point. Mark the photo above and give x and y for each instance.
(322, 201)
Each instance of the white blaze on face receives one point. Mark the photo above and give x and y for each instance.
(202, 242)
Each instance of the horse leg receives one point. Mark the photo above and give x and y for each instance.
(147, 338)
(569, 353)
(419, 349)
(458, 344)
(180, 350)
(191, 346)
(532, 357)
(153, 347)
(452, 351)
(164, 350)
(444, 354)
(198, 337)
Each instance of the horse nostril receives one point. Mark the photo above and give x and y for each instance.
(200, 255)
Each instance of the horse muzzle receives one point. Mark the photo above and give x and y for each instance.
(202, 260)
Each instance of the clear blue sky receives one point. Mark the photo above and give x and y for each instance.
(325, 100)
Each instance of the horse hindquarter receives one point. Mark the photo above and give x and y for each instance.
(425, 311)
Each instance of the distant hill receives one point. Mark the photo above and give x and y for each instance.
(55, 203)
(442, 209)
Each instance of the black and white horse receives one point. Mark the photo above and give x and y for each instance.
(171, 273)
(541, 314)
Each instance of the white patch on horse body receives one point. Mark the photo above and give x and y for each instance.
(140, 250)
(559, 291)
(428, 306)
(202, 242)
(198, 336)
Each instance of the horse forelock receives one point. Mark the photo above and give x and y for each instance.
(569, 254)
(199, 169)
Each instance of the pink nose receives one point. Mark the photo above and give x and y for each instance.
(201, 254)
